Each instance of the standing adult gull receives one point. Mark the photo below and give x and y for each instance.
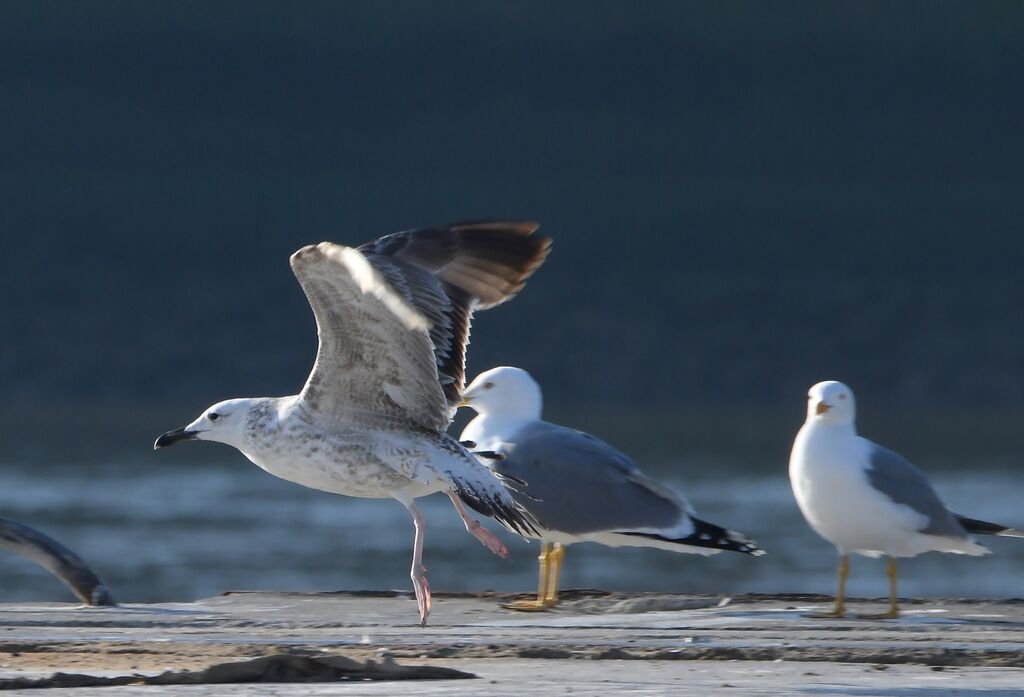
(867, 499)
(393, 320)
(580, 488)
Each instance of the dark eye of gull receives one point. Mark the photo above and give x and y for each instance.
(488, 385)
(214, 416)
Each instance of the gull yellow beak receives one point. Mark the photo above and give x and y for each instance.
(464, 402)
(822, 408)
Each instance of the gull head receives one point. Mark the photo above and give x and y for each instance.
(504, 391)
(224, 422)
(831, 402)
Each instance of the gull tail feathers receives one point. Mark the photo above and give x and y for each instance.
(499, 505)
(981, 527)
(712, 536)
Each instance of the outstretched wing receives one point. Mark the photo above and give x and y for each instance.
(448, 271)
(375, 359)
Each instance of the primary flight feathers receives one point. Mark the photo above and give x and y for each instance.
(447, 272)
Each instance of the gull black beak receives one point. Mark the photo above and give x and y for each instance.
(172, 437)
(820, 409)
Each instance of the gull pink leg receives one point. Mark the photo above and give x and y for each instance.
(488, 538)
(419, 572)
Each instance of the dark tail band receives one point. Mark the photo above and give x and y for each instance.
(712, 536)
(981, 527)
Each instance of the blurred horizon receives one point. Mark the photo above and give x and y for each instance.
(178, 532)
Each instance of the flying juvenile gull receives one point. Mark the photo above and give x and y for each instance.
(579, 488)
(867, 499)
(57, 559)
(393, 320)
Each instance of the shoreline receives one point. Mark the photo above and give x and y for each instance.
(592, 633)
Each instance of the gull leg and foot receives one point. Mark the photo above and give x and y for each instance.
(474, 528)
(894, 607)
(840, 608)
(557, 555)
(418, 574)
(538, 605)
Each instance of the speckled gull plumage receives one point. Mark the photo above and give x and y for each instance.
(393, 321)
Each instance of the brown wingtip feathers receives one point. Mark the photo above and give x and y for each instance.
(521, 227)
(489, 260)
(495, 259)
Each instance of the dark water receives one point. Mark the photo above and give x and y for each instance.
(179, 531)
(743, 201)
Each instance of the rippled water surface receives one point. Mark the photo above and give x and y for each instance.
(182, 531)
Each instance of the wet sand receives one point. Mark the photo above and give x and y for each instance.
(593, 644)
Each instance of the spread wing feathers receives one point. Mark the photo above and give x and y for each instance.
(375, 356)
(490, 260)
(446, 308)
(448, 271)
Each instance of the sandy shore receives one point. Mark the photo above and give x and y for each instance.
(593, 644)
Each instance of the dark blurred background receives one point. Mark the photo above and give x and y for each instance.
(745, 197)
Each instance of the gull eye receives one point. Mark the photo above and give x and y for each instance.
(214, 416)
(488, 385)
(842, 396)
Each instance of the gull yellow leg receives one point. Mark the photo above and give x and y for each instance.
(894, 601)
(894, 605)
(557, 555)
(840, 608)
(538, 605)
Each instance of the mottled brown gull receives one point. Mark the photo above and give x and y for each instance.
(393, 320)
(579, 488)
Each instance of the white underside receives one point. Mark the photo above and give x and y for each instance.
(828, 472)
(369, 465)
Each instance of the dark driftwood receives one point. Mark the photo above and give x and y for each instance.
(56, 558)
(279, 668)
